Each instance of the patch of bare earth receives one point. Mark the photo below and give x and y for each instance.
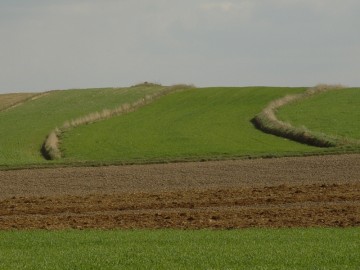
(9, 101)
(285, 192)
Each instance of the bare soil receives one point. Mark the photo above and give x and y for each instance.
(9, 101)
(285, 192)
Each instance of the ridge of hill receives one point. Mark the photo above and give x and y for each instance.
(8, 101)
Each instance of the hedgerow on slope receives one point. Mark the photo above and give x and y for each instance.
(268, 122)
(51, 149)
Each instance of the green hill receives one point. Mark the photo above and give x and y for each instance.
(205, 123)
(334, 113)
(193, 124)
(24, 128)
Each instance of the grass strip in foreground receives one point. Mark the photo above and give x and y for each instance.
(173, 249)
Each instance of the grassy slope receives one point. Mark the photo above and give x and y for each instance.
(24, 128)
(171, 249)
(7, 100)
(199, 123)
(333, 113)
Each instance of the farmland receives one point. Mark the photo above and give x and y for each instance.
(150, 208)
(195, 124)
(173, 249)
(24, 128)
(283, 192)
(333, 112)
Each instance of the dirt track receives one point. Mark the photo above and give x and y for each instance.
(311, 191)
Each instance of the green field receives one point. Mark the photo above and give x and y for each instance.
(194, 124)
(174, 249)
(24, 128)
(334, 112)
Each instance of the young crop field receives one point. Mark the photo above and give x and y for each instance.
(333, 112)
(24, 128)
(195, 124)
(173, 249)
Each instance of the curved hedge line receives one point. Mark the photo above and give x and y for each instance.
(50, 148)
(267, 121)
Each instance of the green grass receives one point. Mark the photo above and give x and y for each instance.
(335, 113)
(207, 123)
(173, 249)
(195, 124)
(24, 128)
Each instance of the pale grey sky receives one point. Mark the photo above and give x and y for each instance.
(64, 44)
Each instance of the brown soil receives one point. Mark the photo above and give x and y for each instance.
(9, 101)
(286, 192)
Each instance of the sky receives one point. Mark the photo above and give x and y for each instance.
(62, 44)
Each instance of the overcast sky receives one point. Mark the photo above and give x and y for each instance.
(63, 44)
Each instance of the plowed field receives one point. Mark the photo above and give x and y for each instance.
(285, 192)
